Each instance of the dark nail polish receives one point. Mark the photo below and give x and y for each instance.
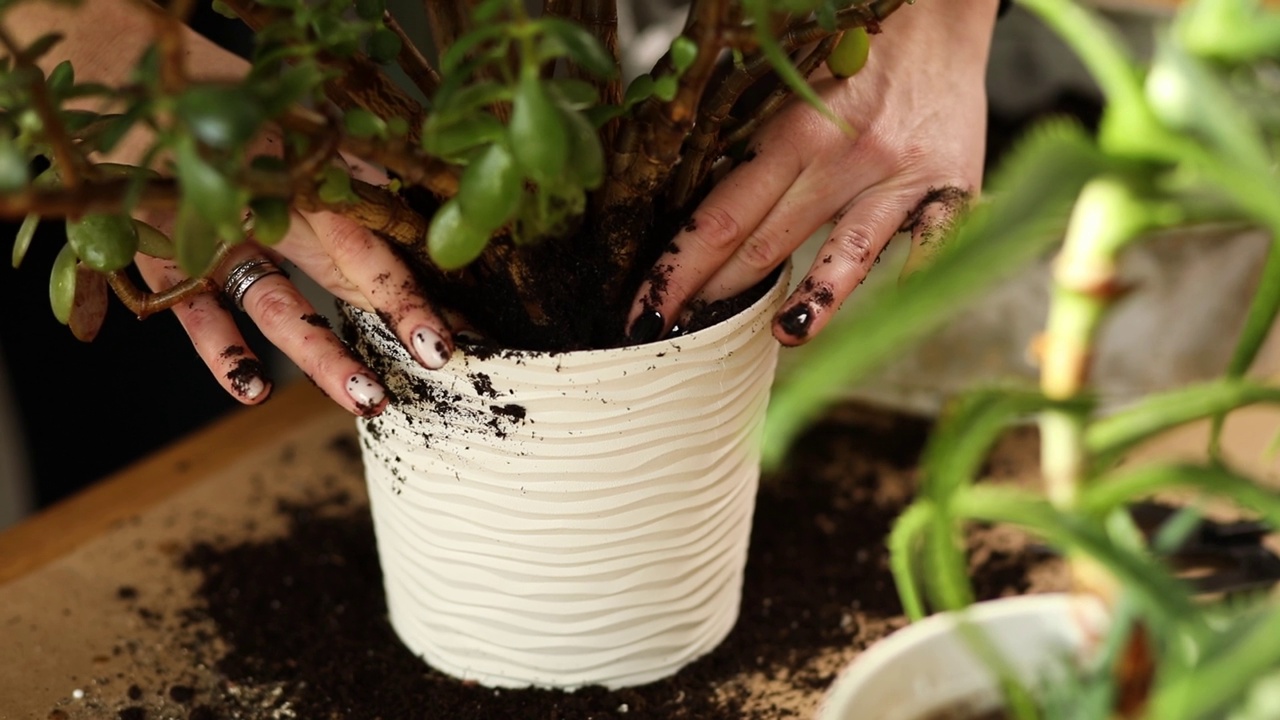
(646, 328)
(796, 321)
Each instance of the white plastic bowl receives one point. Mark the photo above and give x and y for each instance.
(928, 667)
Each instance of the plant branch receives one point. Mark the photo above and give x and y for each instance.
(403, 158)
(648, 147)
(107, 196)
(411, 59)
(448, 20)
(378, 209)
(359, 82)
(144, 304)
(770, 106)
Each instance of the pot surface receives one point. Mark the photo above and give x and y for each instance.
(570, 519)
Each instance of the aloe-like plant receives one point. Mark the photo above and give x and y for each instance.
(1191, 137)
(535, 176)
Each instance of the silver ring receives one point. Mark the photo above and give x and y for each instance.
(243, 276)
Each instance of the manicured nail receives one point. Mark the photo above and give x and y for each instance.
(365, 391)
(246, 378)
(430, 348)
(646, 328)
(796, 321)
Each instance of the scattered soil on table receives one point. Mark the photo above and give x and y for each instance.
(296, 627)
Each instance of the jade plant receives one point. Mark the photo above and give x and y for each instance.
(1190, 136)
(524, 175)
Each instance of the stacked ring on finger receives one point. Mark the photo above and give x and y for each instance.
(244, 275)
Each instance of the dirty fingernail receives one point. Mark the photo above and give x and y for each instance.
(367, 393)
(247, 379)
(796, 321)
(646, 328)
(430, 348)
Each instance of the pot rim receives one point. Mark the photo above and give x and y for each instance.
(708, 335)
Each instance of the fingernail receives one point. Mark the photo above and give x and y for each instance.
(430, 348)
(796, 321)
(365, 391)
(646, 328)
(246, 378)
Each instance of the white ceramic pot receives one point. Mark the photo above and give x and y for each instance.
(928, 667)
(561, 520)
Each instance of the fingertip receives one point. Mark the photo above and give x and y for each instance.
(647, 326)
(247, 379)
(431, 347)
(369, 396)
(794, 325)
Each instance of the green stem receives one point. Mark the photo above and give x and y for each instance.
(1106, 217)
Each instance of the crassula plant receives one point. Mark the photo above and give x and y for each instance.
(1189, 137)
(524, 176)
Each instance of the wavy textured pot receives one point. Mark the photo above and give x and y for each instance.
(572, 519)
(928, 667)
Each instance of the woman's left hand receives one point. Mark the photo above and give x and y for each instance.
(919, 112)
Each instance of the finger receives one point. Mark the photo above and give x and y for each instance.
(287, 320)
(842, 263)
(213, 333)
(303, 249)
(729, 214)
(930, 223)
(388, 285)
(801, 211)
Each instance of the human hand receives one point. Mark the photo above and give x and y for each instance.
(103, 39)
(919, 111)
(345, 259)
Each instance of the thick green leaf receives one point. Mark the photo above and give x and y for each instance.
(61, 79)
(271, 219)
(220, 116)
(196, 240)
(335, 187)
(683, 52)
(384, 45)
(62, 284)
(538, 133)
(579, 45)
(453, 141)
(22, 241)
(41, 46)
(585, 149)
(850, 53)
(104, 242)
(363, 124)
(370, 9)
(210, 192)
(13, 166)
(153, 242)
(451, 241)
(489, 190)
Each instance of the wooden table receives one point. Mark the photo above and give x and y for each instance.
(91, 591)
(62, 572)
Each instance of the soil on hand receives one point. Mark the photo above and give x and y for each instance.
(296, 627)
